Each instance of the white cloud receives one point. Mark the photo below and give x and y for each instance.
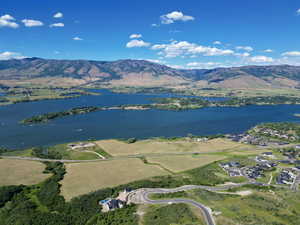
(203, 65)
(7, 17)
(288, 60)
(32, 23)
(217, 43)
(8, 21)
(245, 48)
(133, 36)
(137, 44)
(57, 25)
(10, 55)
(58, 15)
(77, 39)
(184, 48)
(244, 54)
(156, 47)
(292, 53)
(261, 59)
(298, 11)
(268, 50)
(154, 25)
(156, 61)
(175, 16)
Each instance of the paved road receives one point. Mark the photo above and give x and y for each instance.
(141, 196)
(207, 212)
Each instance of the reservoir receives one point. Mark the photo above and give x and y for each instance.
(126, 124)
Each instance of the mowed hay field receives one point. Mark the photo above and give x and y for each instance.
(184, 162)
(16, 172)
(119, 148)
(82, 178)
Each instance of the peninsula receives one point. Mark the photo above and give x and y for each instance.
(174, 104)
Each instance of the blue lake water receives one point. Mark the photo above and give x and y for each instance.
(126, 124)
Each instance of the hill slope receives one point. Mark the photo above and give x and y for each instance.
(143, 73)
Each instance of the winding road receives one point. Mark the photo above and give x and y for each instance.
(141, 196)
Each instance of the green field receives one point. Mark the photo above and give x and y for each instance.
(186, 162)
(62, 151)
(82, 178)
(153, 146)
(27, 93)
(268, 207)
(16, 172)
(179, 214)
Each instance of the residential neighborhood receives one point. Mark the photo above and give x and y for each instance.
(256, 140)
(265, 163)
(273, 133)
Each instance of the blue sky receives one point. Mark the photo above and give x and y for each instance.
(183, 34)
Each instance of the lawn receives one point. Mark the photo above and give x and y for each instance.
(211, 174)
(179, 214)
(82, 178)
(21, 153)
(16, 172)
(120, 148)
(184, 162)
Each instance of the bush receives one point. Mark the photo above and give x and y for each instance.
(131, 140)
(8, 192)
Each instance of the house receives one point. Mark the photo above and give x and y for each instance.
(267, 154)
(267, 165)
(232, 164)
(235, 173)
(123, 196)
(260, 159)
(81, 145)
(254, 172)
(285, 161)
(117, 203)
(111, 204)
(232, 168)
(286, 177)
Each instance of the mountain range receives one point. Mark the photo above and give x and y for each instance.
(142, 73)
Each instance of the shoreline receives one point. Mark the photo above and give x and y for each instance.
(169, 104)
